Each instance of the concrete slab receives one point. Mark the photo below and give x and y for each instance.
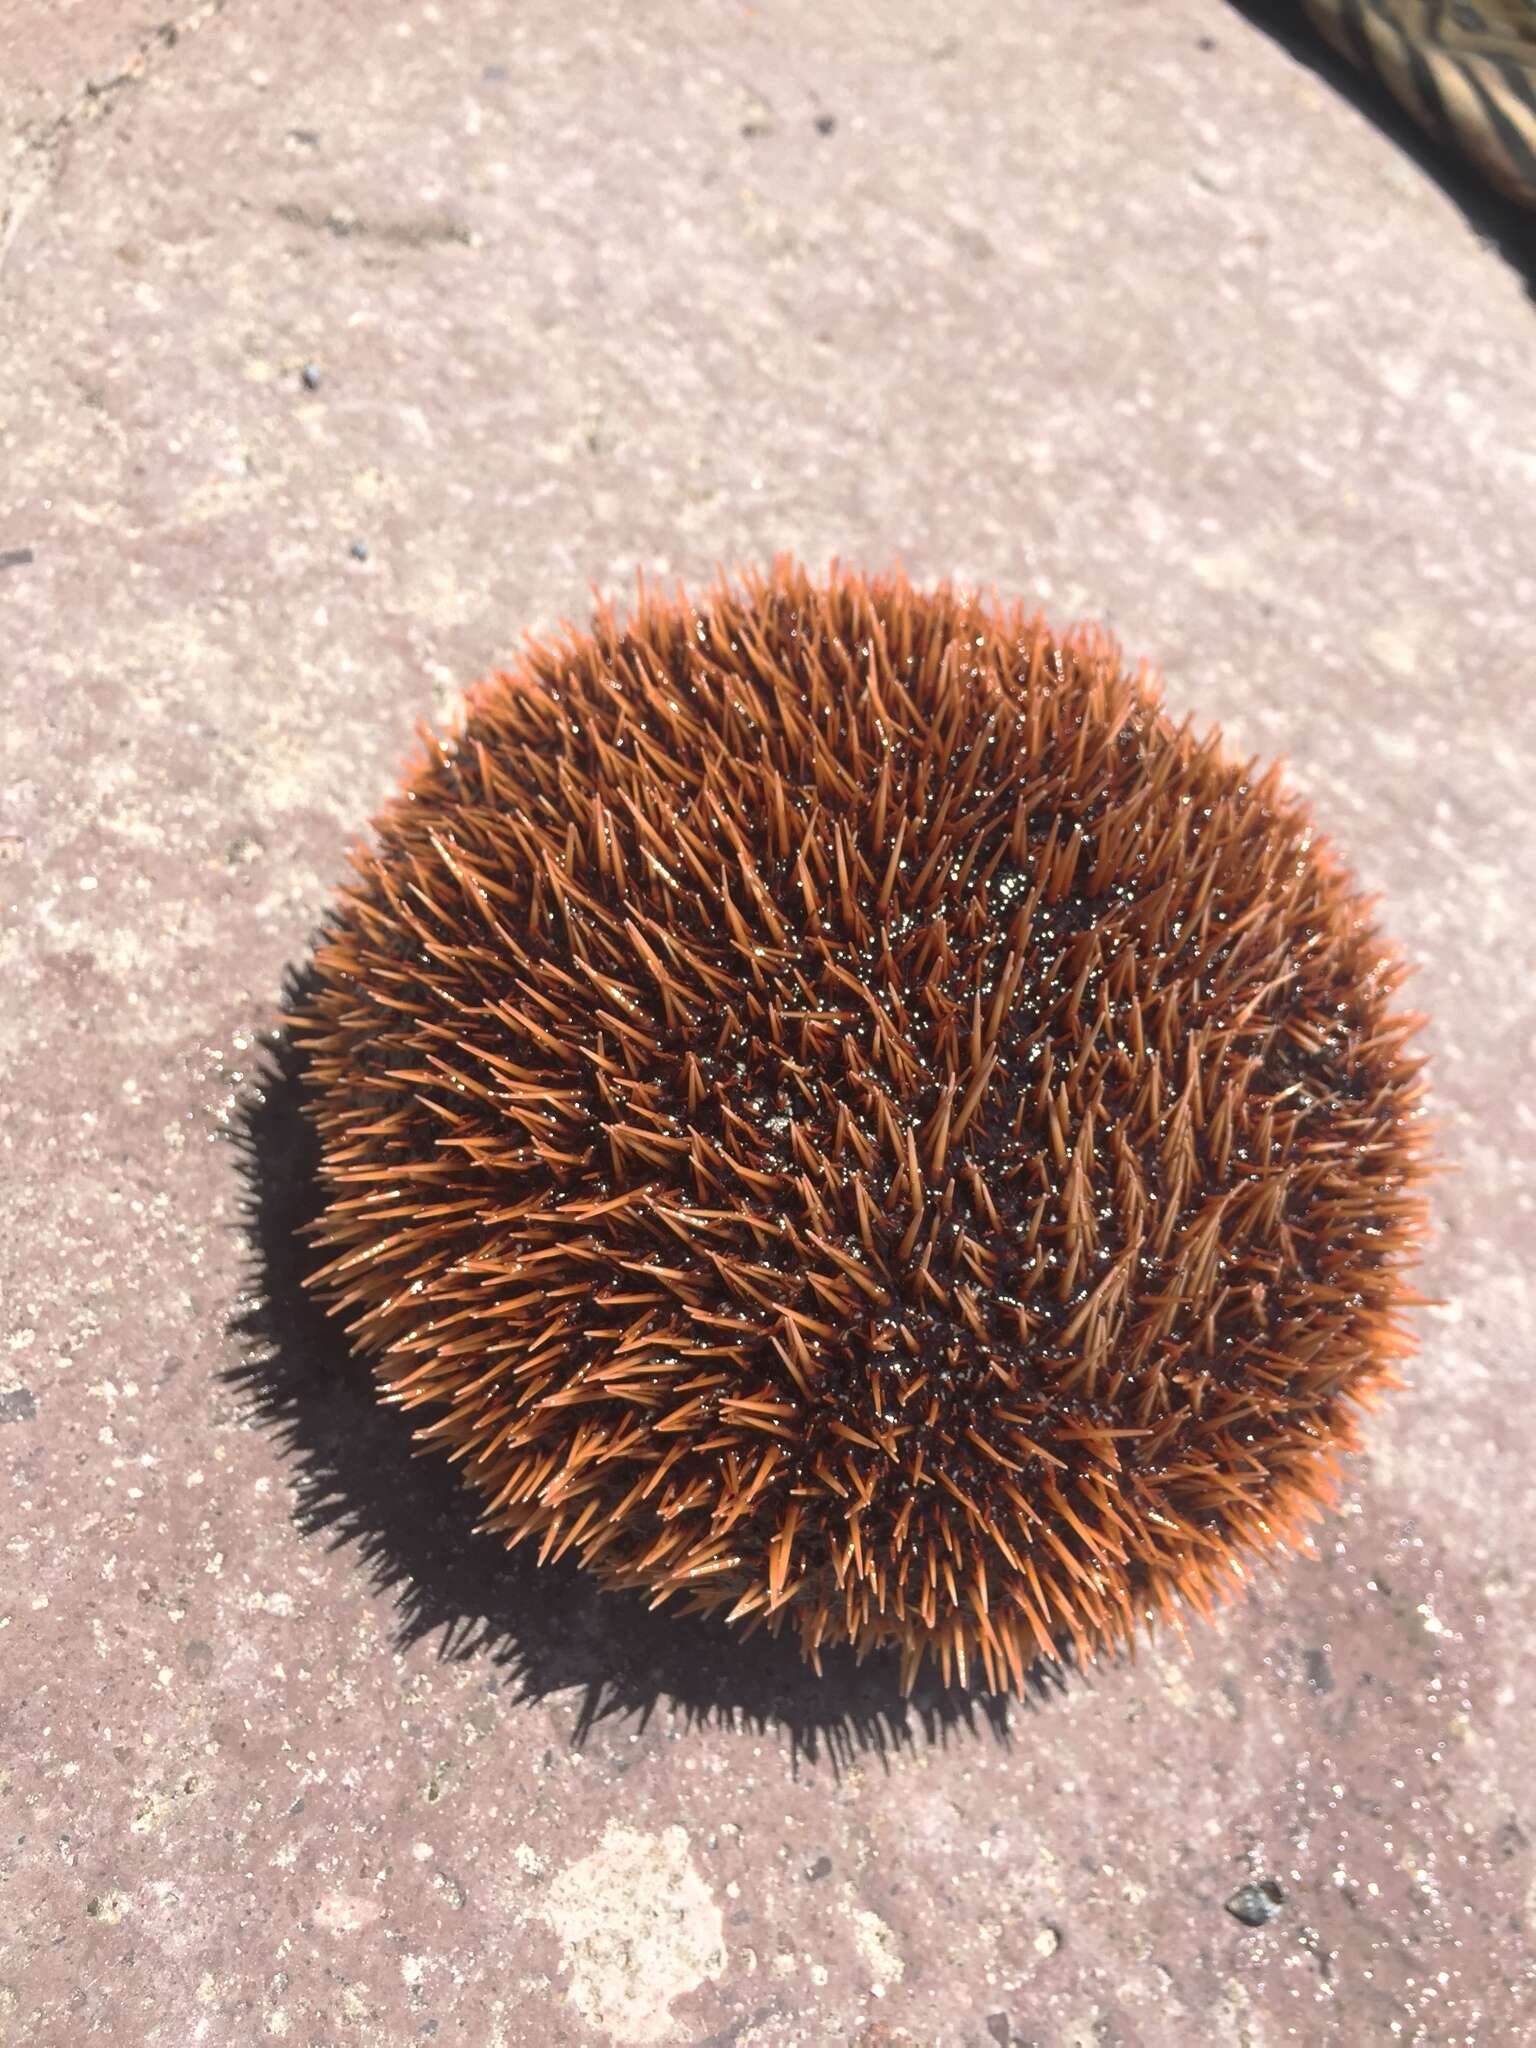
(1113, 304)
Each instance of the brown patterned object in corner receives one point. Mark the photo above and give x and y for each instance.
(1464, 69)
(836, 1109)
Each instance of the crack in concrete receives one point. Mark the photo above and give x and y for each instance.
(40, 154)
(343, 224)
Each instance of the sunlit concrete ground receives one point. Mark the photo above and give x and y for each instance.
(1118, 306)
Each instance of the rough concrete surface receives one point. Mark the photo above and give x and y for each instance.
(1113, 304)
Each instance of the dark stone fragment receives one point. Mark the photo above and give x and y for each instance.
(1256, 1904)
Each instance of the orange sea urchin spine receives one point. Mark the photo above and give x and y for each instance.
(842, 1112)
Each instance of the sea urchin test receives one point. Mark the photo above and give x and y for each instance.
(836, 1109)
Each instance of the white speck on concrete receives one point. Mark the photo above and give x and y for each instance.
(638, 1928)
(346, 1913)
(877, 1949)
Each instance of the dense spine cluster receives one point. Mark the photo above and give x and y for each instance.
(838, 1110)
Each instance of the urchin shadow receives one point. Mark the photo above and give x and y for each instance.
(1510, 228)
(546, 1629)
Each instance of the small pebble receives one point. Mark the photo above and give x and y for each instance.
(359, 551)
(826, 124)
(1256, 1904)
(310, 376)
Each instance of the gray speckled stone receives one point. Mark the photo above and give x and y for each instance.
(1061, 301)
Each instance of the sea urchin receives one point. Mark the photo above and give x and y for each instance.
(841, 1111)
